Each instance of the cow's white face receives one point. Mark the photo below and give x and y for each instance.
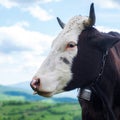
(55, 72)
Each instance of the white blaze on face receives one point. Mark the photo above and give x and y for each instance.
(55, 72)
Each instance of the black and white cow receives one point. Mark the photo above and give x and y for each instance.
(78, 59)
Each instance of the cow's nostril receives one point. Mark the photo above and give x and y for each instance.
(35, 83)
(38, 81)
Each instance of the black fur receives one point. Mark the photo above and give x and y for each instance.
(86, 66)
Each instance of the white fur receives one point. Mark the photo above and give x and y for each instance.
(54, 74)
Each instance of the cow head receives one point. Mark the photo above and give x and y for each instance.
(62, 68)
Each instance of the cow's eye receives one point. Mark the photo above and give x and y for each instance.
(71, 45)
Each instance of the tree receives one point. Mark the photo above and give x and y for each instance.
(62, 118)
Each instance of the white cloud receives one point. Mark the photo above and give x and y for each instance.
(16, 3)
(105, 29)
(18, 66)
(8, 3)
(39, 13)
(108, 4)
(23, 24)
(20, 36)
(46, 1)
(31, 6)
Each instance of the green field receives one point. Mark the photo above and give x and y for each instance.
(21, 110)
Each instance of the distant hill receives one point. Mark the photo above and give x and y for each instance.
(18, 93)
(22, 85)
(12, 93)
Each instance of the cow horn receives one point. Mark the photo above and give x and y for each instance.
(91, 20)
(62, 25)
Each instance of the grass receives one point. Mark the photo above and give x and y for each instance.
(21, 110)
(11, 98)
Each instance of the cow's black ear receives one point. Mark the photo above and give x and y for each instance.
(107, 41)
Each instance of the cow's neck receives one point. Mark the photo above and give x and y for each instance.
(101, 93)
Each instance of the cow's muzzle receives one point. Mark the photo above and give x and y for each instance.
(35, 84)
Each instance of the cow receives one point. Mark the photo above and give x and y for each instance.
(83, 57)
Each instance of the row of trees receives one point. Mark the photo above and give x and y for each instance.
(13, 103)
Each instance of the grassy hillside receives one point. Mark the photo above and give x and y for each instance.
(39, 111)
(17, 104)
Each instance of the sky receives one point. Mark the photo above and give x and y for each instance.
(28, 27)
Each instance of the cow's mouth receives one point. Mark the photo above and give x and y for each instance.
(43, 93)
(35, 84)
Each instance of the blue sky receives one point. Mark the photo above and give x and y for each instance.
(28, 27)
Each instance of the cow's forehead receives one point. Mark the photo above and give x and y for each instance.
(71, 31)
(75, 23)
